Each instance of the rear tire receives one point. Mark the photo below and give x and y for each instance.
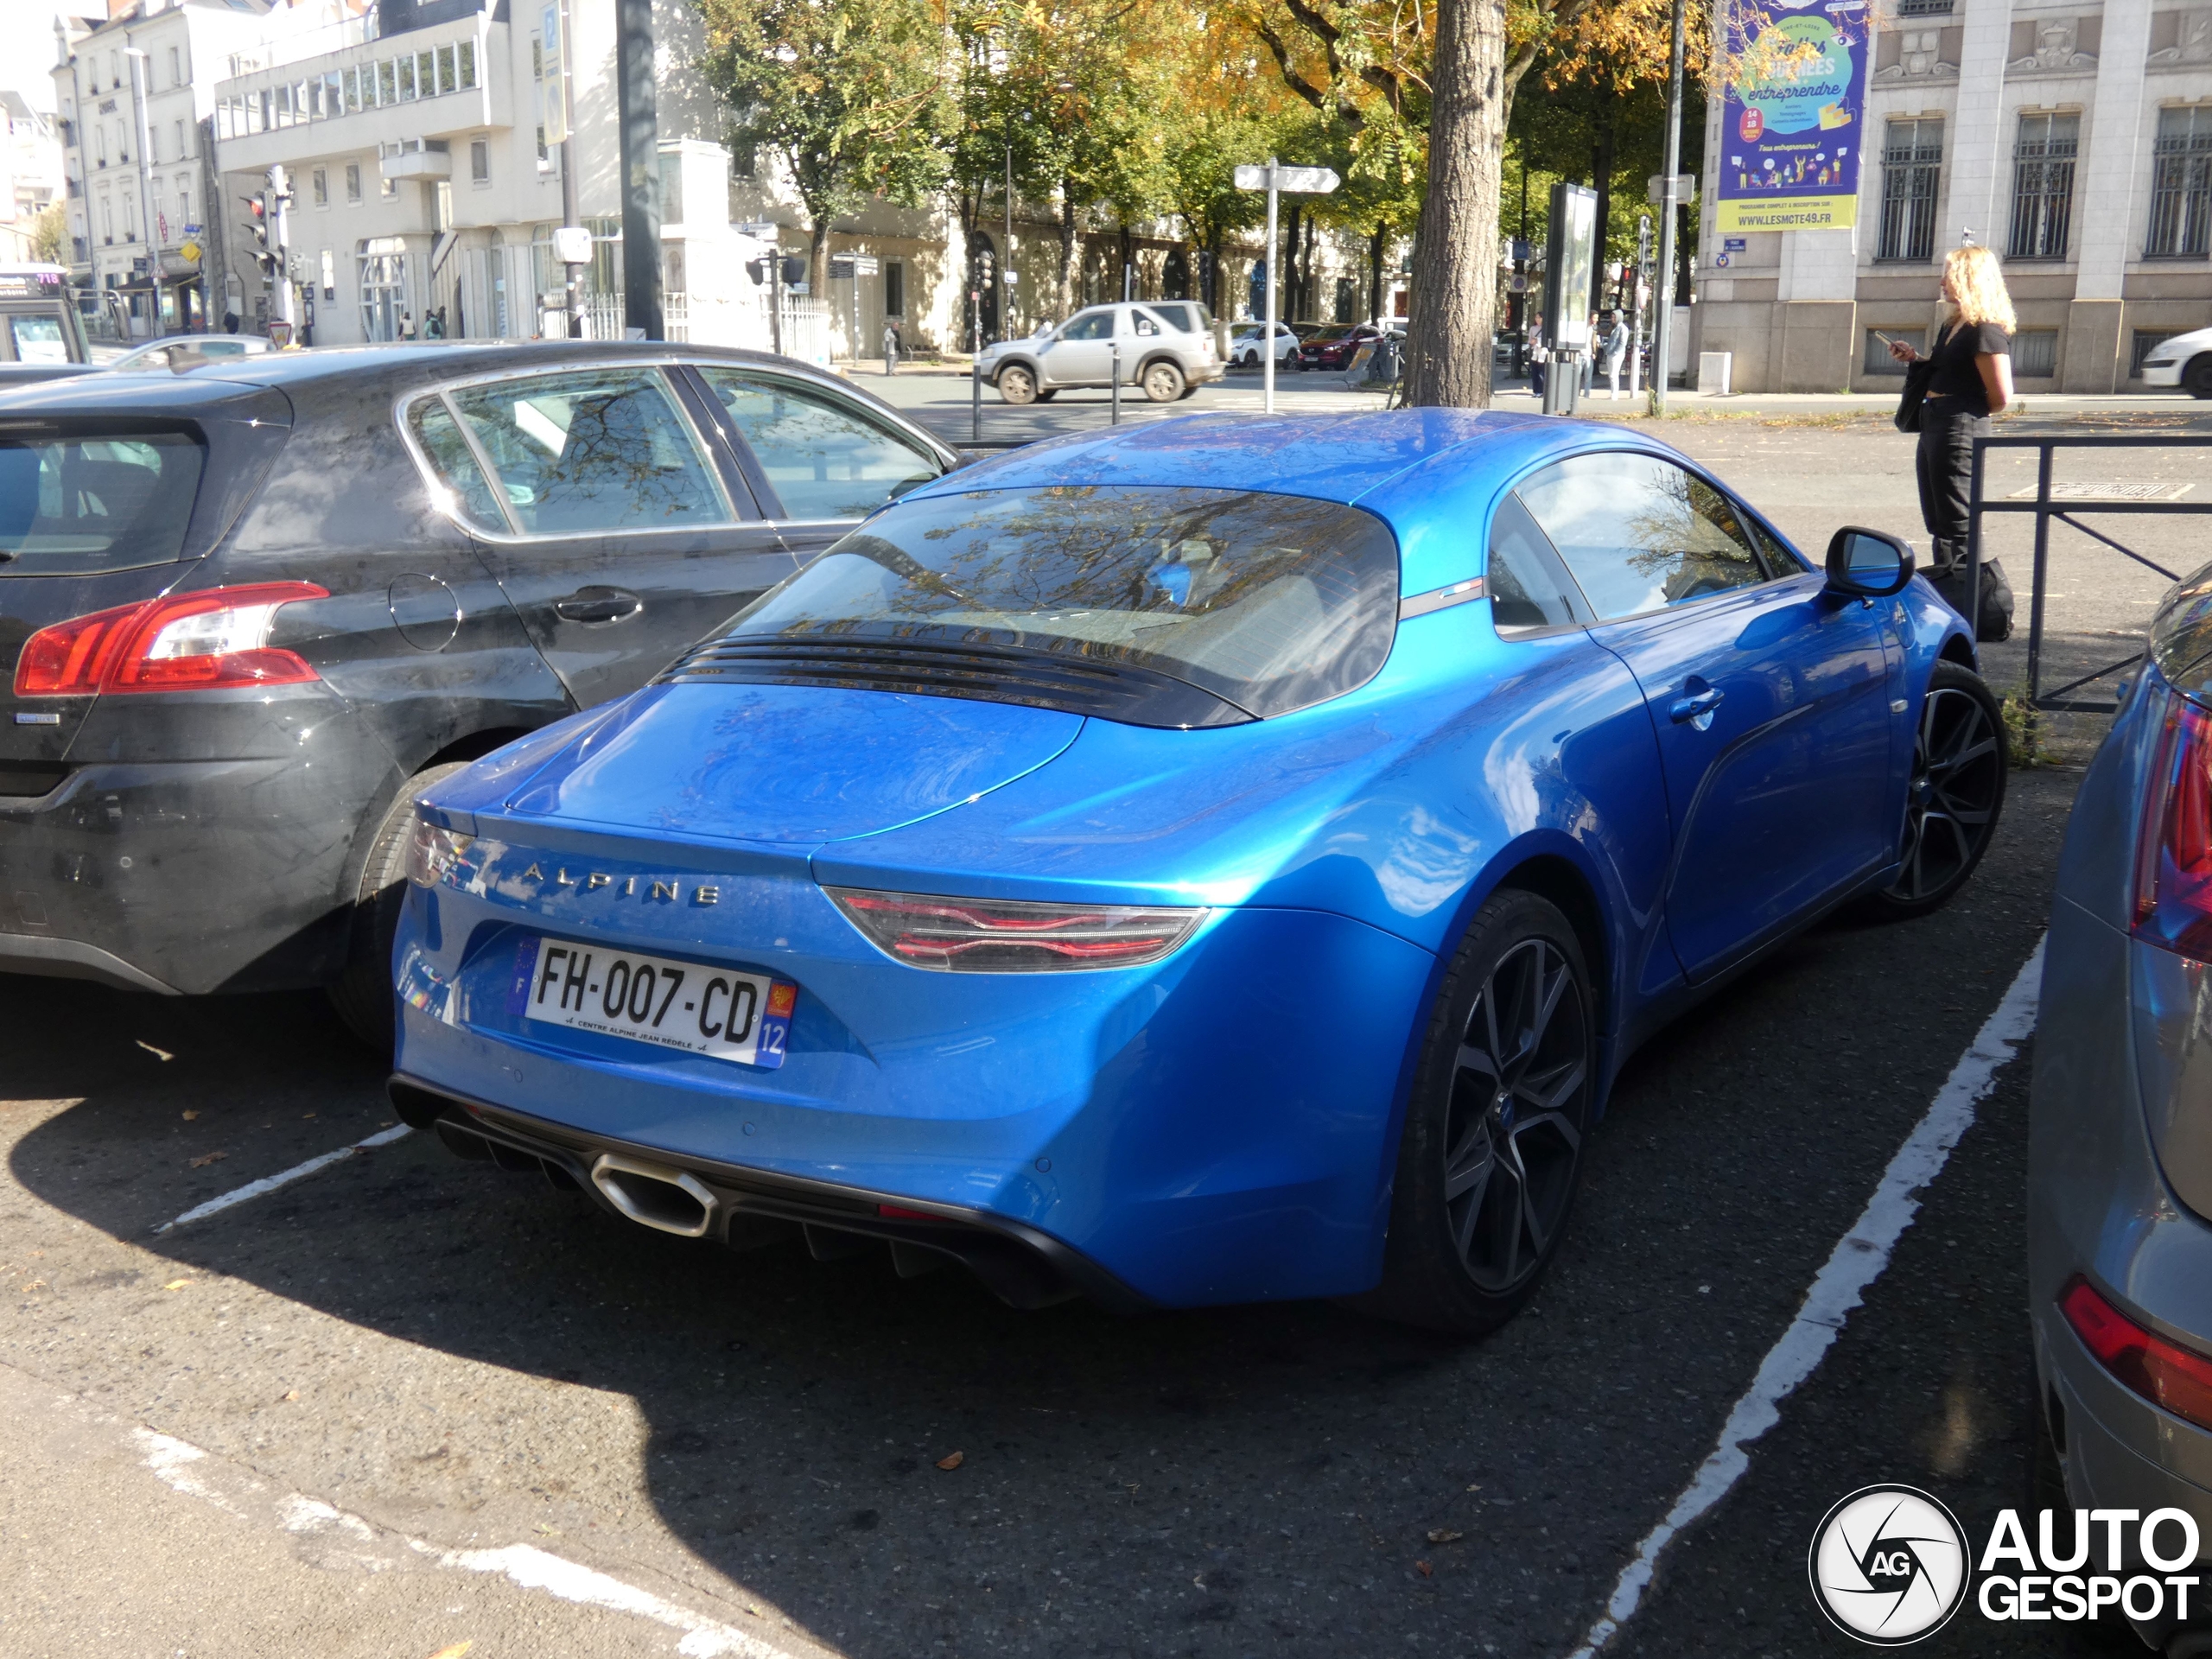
(1956, 796)
(2196, 379)
(1492, 1153)
(363, 993)
(1017, 386)
(1163, 383)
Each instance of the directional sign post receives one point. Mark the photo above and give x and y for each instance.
(1274, 178)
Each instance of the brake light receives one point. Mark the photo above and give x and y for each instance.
(214, 639)
(2169, 1376)
(2173, 852)
(993, 935)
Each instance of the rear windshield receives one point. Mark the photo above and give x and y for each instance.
(71, 506)
(1270, 602)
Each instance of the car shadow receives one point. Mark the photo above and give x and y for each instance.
(1295, 1476)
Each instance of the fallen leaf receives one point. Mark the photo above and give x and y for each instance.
(158, 1053)
(176, 1284)
(952, 1462)
(1444, 1535)
(207, 1158)
(35, 1284)
(305, 1116)
(1476, 1487)
(292, 1394)
(454, 1652)
(550, 1532)
(189, 1115)
(751, 1609)
(1424, 1569)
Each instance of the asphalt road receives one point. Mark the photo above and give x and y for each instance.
(411, 1403)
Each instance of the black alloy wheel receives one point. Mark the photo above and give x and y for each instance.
(2196, 379)
(1492, 1150)
(1955, 795)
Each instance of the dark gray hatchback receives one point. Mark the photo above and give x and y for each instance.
(248, 611)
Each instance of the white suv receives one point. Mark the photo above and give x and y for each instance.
(1165, 346)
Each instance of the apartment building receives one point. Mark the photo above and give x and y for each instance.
(131, 96)
(2075, 137)
(30, 172)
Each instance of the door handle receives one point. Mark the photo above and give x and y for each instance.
(1696, 709)
(598, 604)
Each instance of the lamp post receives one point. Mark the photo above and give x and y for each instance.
(1662, 333)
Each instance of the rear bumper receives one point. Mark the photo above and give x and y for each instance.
(192, 874)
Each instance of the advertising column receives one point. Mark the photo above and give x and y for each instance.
(1793, 114)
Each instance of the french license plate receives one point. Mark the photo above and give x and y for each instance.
(712, 1011)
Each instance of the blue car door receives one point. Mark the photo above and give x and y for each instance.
(1770, 699)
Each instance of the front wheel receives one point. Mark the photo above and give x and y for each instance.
(1017, 386)
(1955, 796)
(362, 994)
(1162, 382)
(1492, 1153)
(2196, 379)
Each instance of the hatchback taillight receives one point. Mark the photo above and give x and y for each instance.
(998, 936)
(214, 639)
(2171, 1377)
(2173, 850)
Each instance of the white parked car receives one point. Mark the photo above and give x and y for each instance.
(2184, 361)
(177, 352)
(1165, 347)
(1244, 344)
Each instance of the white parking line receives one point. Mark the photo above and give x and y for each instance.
(285, 1177)
(1858, 1260)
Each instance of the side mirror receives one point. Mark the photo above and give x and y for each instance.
(1867, 564)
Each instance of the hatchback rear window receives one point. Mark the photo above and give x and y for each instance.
(70, 506)
(1270, 602)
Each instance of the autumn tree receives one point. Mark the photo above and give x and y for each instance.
(853, 97)
(50, 236)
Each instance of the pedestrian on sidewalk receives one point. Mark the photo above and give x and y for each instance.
(1537, 355)
(1969, 377)
(1616, 343)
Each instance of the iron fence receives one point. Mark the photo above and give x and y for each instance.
(2047, 506)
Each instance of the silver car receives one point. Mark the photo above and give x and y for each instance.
(2119, 1180)
(1165, 347)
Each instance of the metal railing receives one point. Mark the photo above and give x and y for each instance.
(2046, 507)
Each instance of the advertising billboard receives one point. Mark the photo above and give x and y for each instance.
(1793, 114)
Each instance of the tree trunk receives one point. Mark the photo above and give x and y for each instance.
(1455, 253)
(1375, 276)
(1288, 275)
(1601, 180)
(818, 258)
(1070, 251)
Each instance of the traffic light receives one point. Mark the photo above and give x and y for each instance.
(265, 255)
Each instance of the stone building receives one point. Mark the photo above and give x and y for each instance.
(2074, 137)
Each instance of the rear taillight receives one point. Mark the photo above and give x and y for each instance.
(994, 936)
(211, 640)
(2169, 1376)
(2173, 849)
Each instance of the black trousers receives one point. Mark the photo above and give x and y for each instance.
(1945, 465)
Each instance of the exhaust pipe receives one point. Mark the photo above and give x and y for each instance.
(665, 1199)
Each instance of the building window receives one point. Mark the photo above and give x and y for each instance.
(2043, 185)
(176, 67)
(107, 221)
(446, 82)
(388, 82)
(388, 188)
(1912, 161)
(467, 52)
(329, 274)
(2145, 341)
(480, 161)
(319, 187)
(180, 140)
(184, 200)
(406, 79)
(352, 184)
(2035, 354)
(895, 290)
(425, 74)
(2181, 186)
(99, 141)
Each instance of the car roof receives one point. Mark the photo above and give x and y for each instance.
(1328, 457)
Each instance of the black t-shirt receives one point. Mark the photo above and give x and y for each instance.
(1956, 375)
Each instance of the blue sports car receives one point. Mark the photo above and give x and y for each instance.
(1210, 863)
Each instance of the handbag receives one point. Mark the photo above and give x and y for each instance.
(1917, 377)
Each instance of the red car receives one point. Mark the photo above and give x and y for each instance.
(1333, 347)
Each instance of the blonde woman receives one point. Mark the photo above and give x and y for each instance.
(1969, 379)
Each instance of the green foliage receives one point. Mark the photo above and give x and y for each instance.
(853, 95)
(50, 236)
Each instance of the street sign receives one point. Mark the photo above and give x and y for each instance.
(761, 230)
(1013, 278)
(867, 264)
(553, 55)
(1734, 243)
(572, 244)
(1274, 178)
(1297, 181)
(1657, 187)
(841, 269)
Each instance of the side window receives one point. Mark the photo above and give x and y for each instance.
(1526, 586)
(603, 449)
(440, 434)
(1147, 326)
(1781, 562)
(826, 461)
(1639, 533)
(1098, 326)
